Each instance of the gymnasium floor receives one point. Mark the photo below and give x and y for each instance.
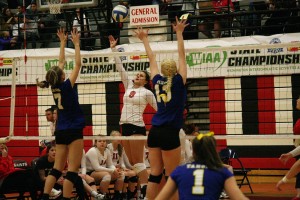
(267, 191)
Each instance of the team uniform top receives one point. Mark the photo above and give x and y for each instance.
(196, 181)
(95, 161)
(122, 161)
(70, 115)
(135, 100)
(43, 164)
(169, 113)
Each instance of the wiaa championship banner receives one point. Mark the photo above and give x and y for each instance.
(226, 57)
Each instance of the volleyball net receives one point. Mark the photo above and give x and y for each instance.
(240, 88)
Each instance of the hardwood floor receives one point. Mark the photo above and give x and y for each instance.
(269, 191)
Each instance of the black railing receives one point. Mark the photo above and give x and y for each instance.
(240, 20)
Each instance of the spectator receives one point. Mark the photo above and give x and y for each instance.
(81, 23)
(279, 17)
(7, 18)
(100, 166)
(211, 9)
(18, 29)
(6, 41)
(7, 14)
(9, 175)
(6, 163)
(20, 11)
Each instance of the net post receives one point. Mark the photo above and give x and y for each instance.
(13, 98)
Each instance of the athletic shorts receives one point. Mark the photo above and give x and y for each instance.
(89, 173)
(130, 129)
(164, 137)
(68, 136)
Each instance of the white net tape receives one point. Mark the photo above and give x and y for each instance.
(54, 7)
(218, 137)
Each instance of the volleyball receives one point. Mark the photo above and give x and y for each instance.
(120, 13)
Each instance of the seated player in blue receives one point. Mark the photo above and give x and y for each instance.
(205, 178)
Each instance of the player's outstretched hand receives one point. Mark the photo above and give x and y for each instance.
(141, 33)
(180, 25)
(62, 35)
(112, 41)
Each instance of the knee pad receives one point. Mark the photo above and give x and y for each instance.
(106, 178)
(138, 167)
(54, 172)
(155, 179)
(72, 176)
(133, 179)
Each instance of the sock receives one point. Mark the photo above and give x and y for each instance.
(143, 191)
(94, 193)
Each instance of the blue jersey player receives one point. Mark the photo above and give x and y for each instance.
(203, 179)
(170, 92)
(70, 121)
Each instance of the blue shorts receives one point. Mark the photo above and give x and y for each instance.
(163, 137)
(68, 136)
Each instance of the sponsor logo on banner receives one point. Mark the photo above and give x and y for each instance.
(293, 49)
(216, 59)
(121, 49)
(4, 70)
(7, 61)
(138, 57)
(275, 50)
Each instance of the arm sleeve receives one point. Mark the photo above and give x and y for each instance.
(121, 70)
(93, 157)
(151, 100)
(295, 152)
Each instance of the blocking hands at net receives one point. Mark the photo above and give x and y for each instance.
(206, 176)
(137, 96)
(70, 122)
(163, 139)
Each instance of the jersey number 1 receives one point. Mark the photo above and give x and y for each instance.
(198, 187)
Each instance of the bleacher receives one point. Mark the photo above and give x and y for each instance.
(247, 18)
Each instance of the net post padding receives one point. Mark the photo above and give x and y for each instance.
(55, 6)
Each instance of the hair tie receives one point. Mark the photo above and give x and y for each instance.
(201, 135)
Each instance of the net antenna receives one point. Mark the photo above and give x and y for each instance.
(55, 6)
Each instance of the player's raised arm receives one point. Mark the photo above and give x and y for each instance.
(179, 28)
(76, 41)
(119, 65)
(143, 36)
(63, 37)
